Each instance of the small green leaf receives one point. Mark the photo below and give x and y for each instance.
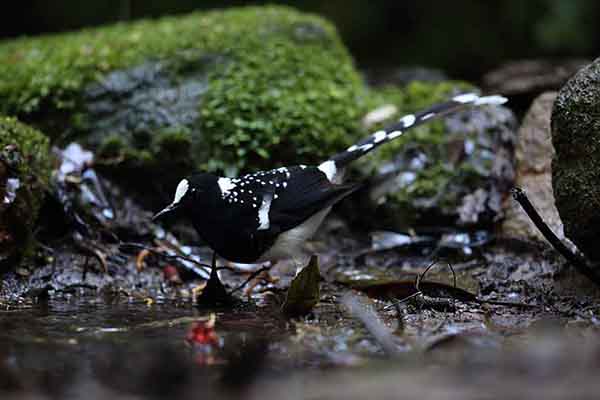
(303, 293)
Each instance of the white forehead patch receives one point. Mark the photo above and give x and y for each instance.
(181, 190)
(226, 184)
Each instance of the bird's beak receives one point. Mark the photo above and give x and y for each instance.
(171, 207)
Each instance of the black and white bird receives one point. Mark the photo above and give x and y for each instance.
(269, 215)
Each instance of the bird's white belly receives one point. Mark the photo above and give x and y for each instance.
(289, 243)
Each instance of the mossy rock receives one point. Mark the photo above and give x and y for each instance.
(455, 171)
(225, 91)
(222, 91)
(576, 164)
(24, 177)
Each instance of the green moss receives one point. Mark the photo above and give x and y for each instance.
(50, 70)
(280, 89)
(112, 147)
(440, 186)
(173, 143)
(32, 157)
(24, 156)
(298, 103)
(285, 85)
(414, 97)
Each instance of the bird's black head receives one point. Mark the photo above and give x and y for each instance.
(196, 191)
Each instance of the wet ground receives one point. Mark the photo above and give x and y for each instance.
(356, 343)
(110, 310)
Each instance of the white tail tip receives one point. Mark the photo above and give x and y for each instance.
(493, 100)
(479, 101)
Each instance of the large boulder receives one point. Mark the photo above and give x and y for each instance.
(534, 153)
(576, 164)
(225, 90)
(24, 176)
(450, 172)
(239, 90)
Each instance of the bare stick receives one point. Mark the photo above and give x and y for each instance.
(402, 300)
(165, 256)
(252, 276)
(579, 262)
(372, 323)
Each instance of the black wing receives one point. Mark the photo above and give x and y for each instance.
(262, 205)
(294, 195)
(307, 192)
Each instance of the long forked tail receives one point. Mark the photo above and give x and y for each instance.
(408, 121)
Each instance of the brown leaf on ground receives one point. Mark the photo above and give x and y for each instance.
(304, 292)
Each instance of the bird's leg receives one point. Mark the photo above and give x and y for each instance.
(213, 270)
(267, 274)
(214, 293)
(264, 275)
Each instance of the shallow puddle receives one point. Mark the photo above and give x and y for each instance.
(115, 349)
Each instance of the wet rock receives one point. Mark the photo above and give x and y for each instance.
(576, 164)
(24, 175)
(457, 171)
(533, 153)
(531, 77)
(524, 80)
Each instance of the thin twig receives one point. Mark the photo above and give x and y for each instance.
(454, 278)
(418, 292)
(422, 275)
(578, 261)
(90, 249)
(417, 283)
(168, 256)
(402, 300)
(252, 276)
(374, 325)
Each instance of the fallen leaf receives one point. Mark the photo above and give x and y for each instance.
(303, 293)
(139, 261)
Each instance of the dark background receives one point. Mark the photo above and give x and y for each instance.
(464, 38)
